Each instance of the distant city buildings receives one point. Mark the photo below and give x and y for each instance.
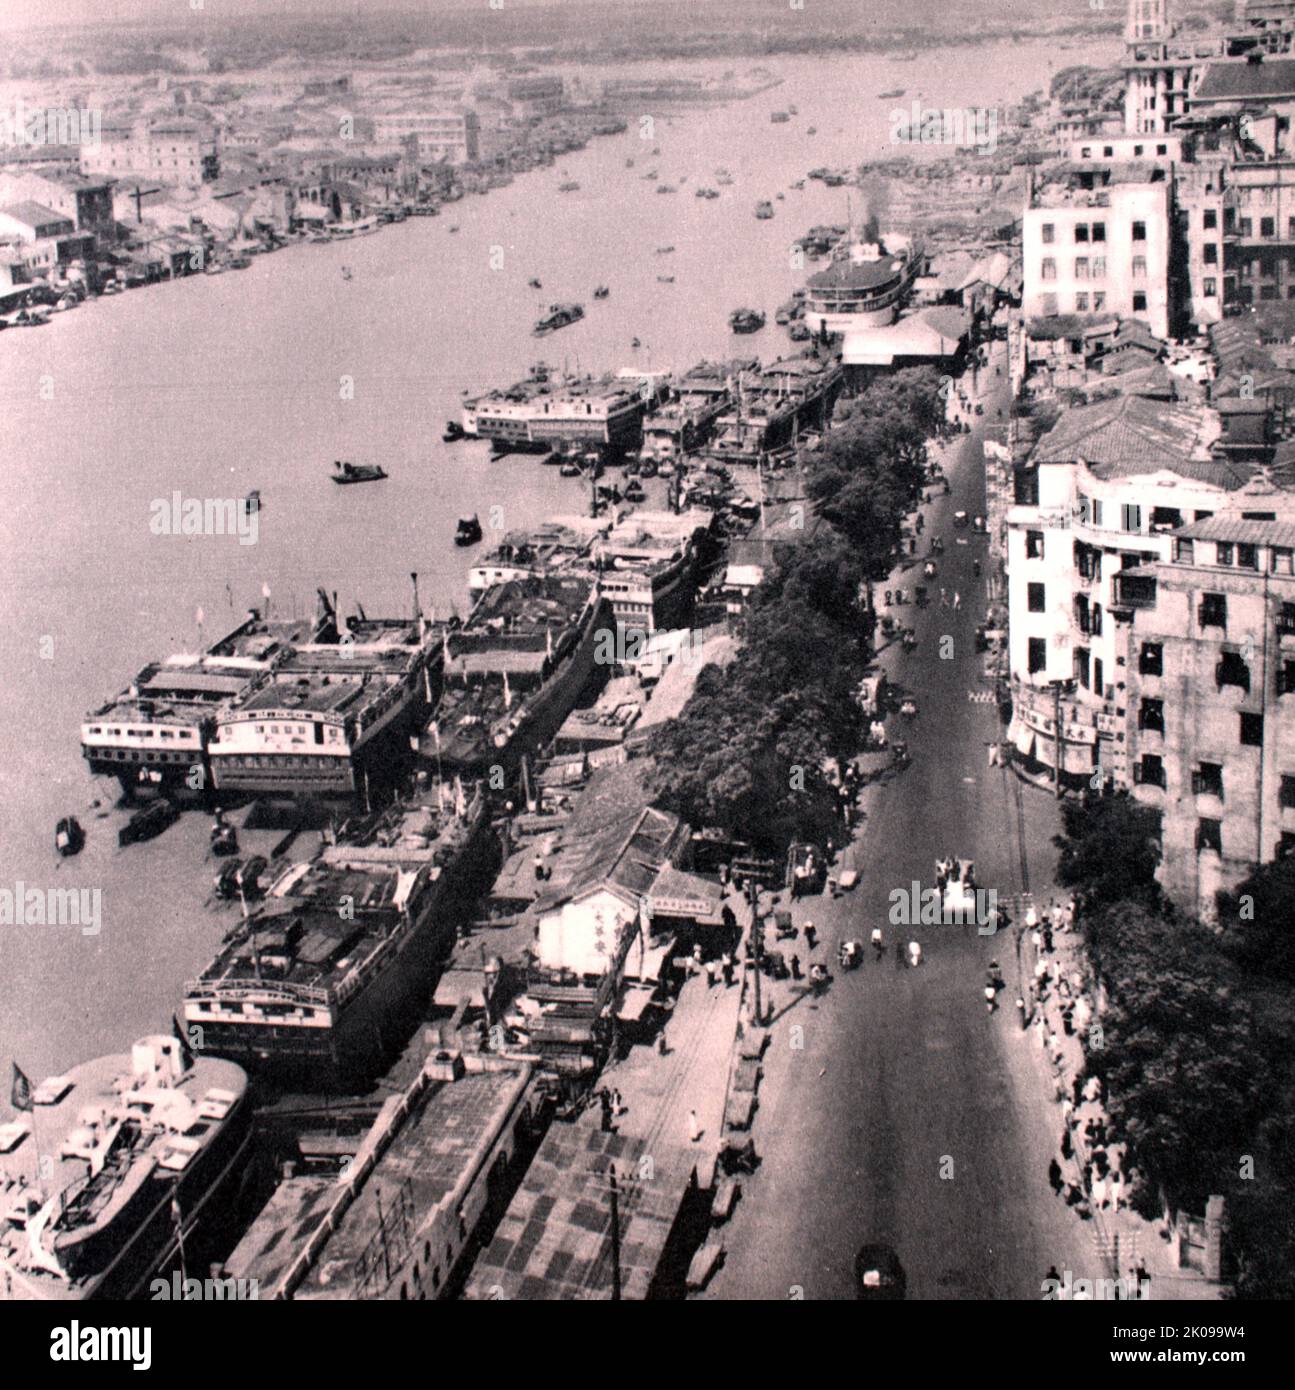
(448, 135)
(178, 151)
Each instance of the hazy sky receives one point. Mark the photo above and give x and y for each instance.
(36, 13)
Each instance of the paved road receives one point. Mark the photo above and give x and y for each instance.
(901, 1111)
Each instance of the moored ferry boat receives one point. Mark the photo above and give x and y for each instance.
(559, 316)
(318, 981)
(155, 734)
(115, 1165)
(515, 671)
(543, 412)
(331, 712)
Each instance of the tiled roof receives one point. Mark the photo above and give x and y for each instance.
(1246, 81)
(1130, 434)
(34, 214)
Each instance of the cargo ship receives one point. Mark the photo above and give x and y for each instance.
(318, 981)
(154, 736)
(515, 671)
(121, 1167)
(332, 712)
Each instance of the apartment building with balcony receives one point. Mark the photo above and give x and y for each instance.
(1208, 633)
(1114, 481)
(1098, 250)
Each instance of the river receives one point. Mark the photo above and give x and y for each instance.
(216, 385)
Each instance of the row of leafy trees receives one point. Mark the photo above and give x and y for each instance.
(747, 753)
(1198, 1035)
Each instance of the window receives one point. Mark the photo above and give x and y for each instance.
(1209, 835)
(1081, 303)
(1130, 517)
(1139, 302)
(1035, 594)
(1149, 771)
(1048, 271)
(1151, 659)
(1151, 715)
(1224, 553)
(1252, 730)
(1099, 300)
(1038, 655)
(1049, 233)
(1049, 305)
(1139, 267)
(1286, 794)
(1108, 151)
(1099, 267)
(1210, 289)
(1034, 545)
(1081, 267)
(1137, 151)
(1097, 621)
(1286, 618)
(1139, 231)
(1162, 149)
(1247, 556)
(1207, 780)
(1267, 227)
(1247, 226)
(1081, 666)
(1086, 152)
(1211, 253)
(1213, 610)
(1283, 560)
(1099, 231)
(1081, 231)
(1211, 219)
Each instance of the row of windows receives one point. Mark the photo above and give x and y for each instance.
(1050, 303)
(1084, 231)
(1151, 719)
(1091, 268)
(1267, 227)
(1108, 151)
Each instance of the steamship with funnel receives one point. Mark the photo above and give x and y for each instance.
(332, 711)
(317, 980)
(117, 1165)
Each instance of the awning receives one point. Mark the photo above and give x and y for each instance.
(634, 1003)
(1024, 740)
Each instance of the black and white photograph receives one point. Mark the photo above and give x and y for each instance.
(650, 656)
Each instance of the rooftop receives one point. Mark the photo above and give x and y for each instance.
(1237, 528)
(1130, 435)
(1272, 78)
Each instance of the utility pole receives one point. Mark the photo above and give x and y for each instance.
(1056, 717)
(616, 1237)
(753, 890)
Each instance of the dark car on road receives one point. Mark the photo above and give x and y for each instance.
(878, 1274)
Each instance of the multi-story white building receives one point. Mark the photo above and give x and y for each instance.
(1115, 480)
(176, 151)
(1098, 250)
(453, 135)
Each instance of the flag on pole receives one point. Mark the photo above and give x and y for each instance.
(201, 617)
(265, 591)
(20, 1093)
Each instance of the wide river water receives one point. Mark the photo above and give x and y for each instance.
(216, 385)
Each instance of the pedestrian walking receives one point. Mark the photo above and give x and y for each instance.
(1098, 1189)
(694, 1127)
(1117, 1191)
(795, 967)
(1054, 1177)
(710, 974)
(1067, 1148)
(1021, 1014)
(726, 965)
(662, 1046)
(944, 598)
(811, 935)
(606, 1101)
(957, 600)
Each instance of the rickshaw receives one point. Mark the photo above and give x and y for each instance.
(783, 927)
(850, 955)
